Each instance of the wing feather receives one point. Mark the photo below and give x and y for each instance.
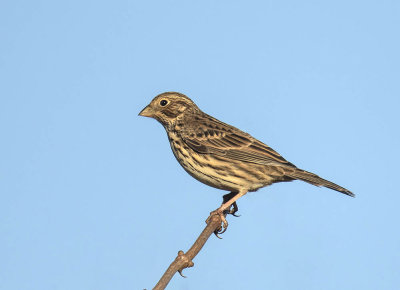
(218, 138)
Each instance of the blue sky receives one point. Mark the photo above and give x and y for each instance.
(91, 196)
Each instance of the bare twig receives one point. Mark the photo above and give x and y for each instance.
(184, 260)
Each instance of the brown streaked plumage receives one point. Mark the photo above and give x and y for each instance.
(221, 155)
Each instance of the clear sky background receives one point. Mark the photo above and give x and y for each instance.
(91, 196)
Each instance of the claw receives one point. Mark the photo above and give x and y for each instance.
(234, 209)
(216, 233)
(223, 230)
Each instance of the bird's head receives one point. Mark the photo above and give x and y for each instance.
(168, 107)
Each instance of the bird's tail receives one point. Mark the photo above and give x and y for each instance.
(317, 181)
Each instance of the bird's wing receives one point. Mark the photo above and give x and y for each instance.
(217, 138)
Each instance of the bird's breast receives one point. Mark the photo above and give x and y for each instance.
(212, 170)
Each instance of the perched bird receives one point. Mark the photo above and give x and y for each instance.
(221, 155)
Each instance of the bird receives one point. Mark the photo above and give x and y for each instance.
(222, 156)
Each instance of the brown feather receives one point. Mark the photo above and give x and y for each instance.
(230, 142)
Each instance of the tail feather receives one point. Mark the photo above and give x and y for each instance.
(317, 181)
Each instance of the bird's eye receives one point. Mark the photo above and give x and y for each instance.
(163, 103)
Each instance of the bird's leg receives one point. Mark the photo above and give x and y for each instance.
(222, 210)
(234, 207)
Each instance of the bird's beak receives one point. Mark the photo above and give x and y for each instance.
(147, 112)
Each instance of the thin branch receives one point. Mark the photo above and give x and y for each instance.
(184, 260)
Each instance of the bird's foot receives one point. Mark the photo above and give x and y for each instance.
(227, 207)
(232, 210)
(224, 224)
